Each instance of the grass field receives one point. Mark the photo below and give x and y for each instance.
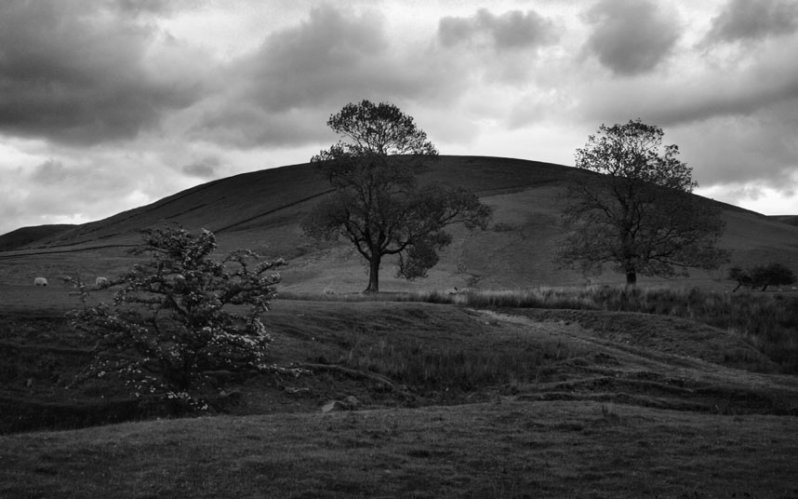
(500, 449)
(451, 401)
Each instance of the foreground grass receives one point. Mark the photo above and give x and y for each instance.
(508, 449)
(544, 411)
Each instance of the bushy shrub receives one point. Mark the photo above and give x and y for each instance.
(762, 276)
(180, 318)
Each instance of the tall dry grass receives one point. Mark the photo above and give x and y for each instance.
(768, 320)
(458, 367)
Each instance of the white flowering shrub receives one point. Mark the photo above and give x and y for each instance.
(181, 317)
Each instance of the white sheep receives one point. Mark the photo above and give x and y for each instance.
(101, 282)
(40, 281)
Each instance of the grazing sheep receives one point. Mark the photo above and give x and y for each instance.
(40, 281)
(101, 282)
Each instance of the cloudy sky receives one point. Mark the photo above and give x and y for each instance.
(110, 104)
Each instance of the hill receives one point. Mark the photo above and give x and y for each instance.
(28, 235)
(262, 210)
(787, 219)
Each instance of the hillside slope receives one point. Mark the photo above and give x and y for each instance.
(262, 210)
(25, 236)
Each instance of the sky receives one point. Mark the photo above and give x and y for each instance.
(112, 104)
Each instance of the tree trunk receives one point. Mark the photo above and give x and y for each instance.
(631, 278)
(374, 274)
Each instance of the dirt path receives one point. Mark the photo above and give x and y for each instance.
(626, 372)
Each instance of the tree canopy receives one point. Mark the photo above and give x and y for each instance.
(377, 203)
(171, 322)
(762, 276)
(639, 215)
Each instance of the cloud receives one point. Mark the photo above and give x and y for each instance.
(748, 20)
(76, 185)
(511, 30)
(50, 172)
(509, 49)
(631, 37)
(204, 168)
(283, 93)
(81, 76)
(733, 150)
(698, 93)
(160, 7)
(81, 180)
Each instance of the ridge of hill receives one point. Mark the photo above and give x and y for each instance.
(262, 211)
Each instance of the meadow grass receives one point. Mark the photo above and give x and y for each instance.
(487, 450)
(462, 366)
(769, 321)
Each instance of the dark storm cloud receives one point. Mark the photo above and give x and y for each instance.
(80, 76)
(204, 168)
(630, 37)
(754, 20)
(284, 92)
(511, 30)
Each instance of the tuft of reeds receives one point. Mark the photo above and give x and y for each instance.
(454, 367)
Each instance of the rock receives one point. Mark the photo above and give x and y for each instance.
(333, 405)
(350, 403)
(295, 391)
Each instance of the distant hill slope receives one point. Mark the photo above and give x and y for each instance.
(787, 219)
(27, 235)
(266, 197)
(262, 210)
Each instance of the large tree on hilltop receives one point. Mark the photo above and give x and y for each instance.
(377, 203)
(639, 216)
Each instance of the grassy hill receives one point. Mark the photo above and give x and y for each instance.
(261, 210)
(788, 219)
(27, 235)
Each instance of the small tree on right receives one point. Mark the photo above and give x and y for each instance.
(639, 216)
(762, 276)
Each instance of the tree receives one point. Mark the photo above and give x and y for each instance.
(742, 277)
(377, 203)
(639, 216)
(762, 276)
(171, 323)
